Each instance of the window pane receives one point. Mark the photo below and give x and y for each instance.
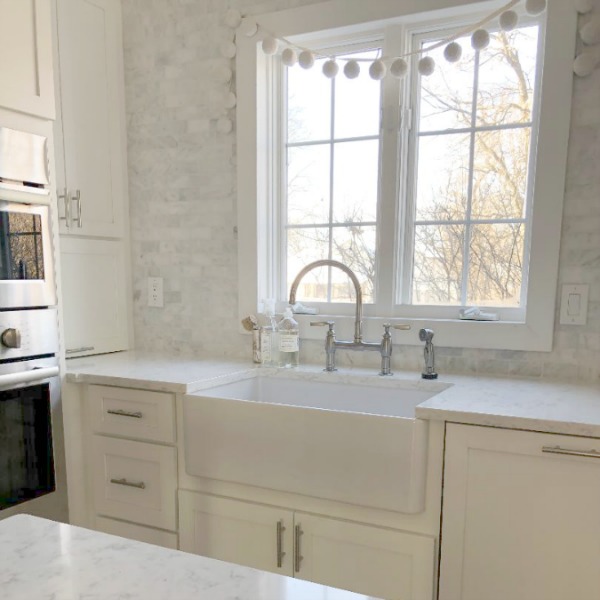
(357, 101)
(447, 95)
(438, 263)
(309, 104)
(500, 173)
(355, 183)
(496, 265)
(355, 247)
(507, 76)
(305, 246)
(443, 177)
(308, 184)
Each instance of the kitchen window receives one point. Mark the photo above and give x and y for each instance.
(432, 189)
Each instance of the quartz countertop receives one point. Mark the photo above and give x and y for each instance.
(548, 406)
(45, 560)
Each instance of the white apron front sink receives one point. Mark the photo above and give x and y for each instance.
(335, 440)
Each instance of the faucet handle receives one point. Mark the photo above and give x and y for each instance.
(323, 324)
(402, 326)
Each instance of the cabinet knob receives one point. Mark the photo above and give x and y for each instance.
(11, 338)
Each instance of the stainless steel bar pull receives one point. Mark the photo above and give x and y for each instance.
(125, 413)
(140, 486)
(77, 198)
(567, 452)
(298, 558)
(67, 204)
(280, 552)
(82, 349)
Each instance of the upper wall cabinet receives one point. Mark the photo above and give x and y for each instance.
(90, 128)
(26, 57)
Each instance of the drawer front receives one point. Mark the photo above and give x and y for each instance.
(135, 481)
(139, 533)
(132, 413)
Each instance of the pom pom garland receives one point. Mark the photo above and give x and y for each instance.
(584, 6)
(330, 68)
(508, 20)
(228, 50)
(248, 27)
(223, 75)
(352, 69)
(377, 70)
(453, 52)
(224, 125)
(233, 18)
(289, 57)
(306, 59)
(426, 66)
(270, 45)
(480, 39)
(584, 64)
(230, 100)
(399, 68)
(535, 7)
(590, 32)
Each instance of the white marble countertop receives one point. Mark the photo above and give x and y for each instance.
(550, 406)
(44, 560)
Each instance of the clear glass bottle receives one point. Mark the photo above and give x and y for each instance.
(289, 340)
(268, 337)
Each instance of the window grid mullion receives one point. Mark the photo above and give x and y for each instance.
(331, 190)
(476, 129)
(468, 226)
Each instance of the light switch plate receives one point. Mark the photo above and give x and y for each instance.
(155, 292)
(574, 304)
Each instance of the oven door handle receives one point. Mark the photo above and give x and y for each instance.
(36, 374)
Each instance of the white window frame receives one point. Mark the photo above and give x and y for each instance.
(259, 146)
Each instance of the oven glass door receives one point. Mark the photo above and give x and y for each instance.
(26, 274)
(26, 456)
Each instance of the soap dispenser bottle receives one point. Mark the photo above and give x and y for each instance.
(289, 340)
(268, 336)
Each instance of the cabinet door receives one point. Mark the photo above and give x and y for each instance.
(26, 57)
(94, 296)
(519, 521)
(239, 532)
(361, 558)
(92, 125)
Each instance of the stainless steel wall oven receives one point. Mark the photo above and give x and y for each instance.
(29, 371)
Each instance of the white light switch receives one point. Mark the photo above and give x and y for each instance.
(155, 292)
(574, 304)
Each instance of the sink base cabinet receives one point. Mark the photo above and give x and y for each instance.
(371, 560)
(519, 520)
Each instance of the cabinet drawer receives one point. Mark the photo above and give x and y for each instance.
(137, 532)
(132, 413)
(135, 481)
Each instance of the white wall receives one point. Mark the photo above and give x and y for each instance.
(182, 177)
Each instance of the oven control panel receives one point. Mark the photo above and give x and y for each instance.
(25, 333)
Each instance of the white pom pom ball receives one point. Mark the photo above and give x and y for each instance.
(270, 45)
(224, 125)
(248, 27)
(399, 68)
(233, 18)
(306, 59)
(228, 50)
(509, 19)
(535, 7)
(453, 52)
(330, 68)
(590, 32)
(584, 64)
(223, 74)
(352, 69)
(480, 39)
(584, 6)
(289, 57)
(230, 100)
(426, 66)
(377, 70)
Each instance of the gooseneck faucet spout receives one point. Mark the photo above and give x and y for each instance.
(353, 278)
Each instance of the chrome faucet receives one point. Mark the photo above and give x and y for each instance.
(426, 335)
(331, 344)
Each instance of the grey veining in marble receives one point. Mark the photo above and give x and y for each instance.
(44, 560)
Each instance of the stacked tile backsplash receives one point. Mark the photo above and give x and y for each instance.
(182, 175)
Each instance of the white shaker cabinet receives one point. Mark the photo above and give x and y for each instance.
(376, 561)
(26, 57)
(90, 131)
(95, 303)
(521, 516)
